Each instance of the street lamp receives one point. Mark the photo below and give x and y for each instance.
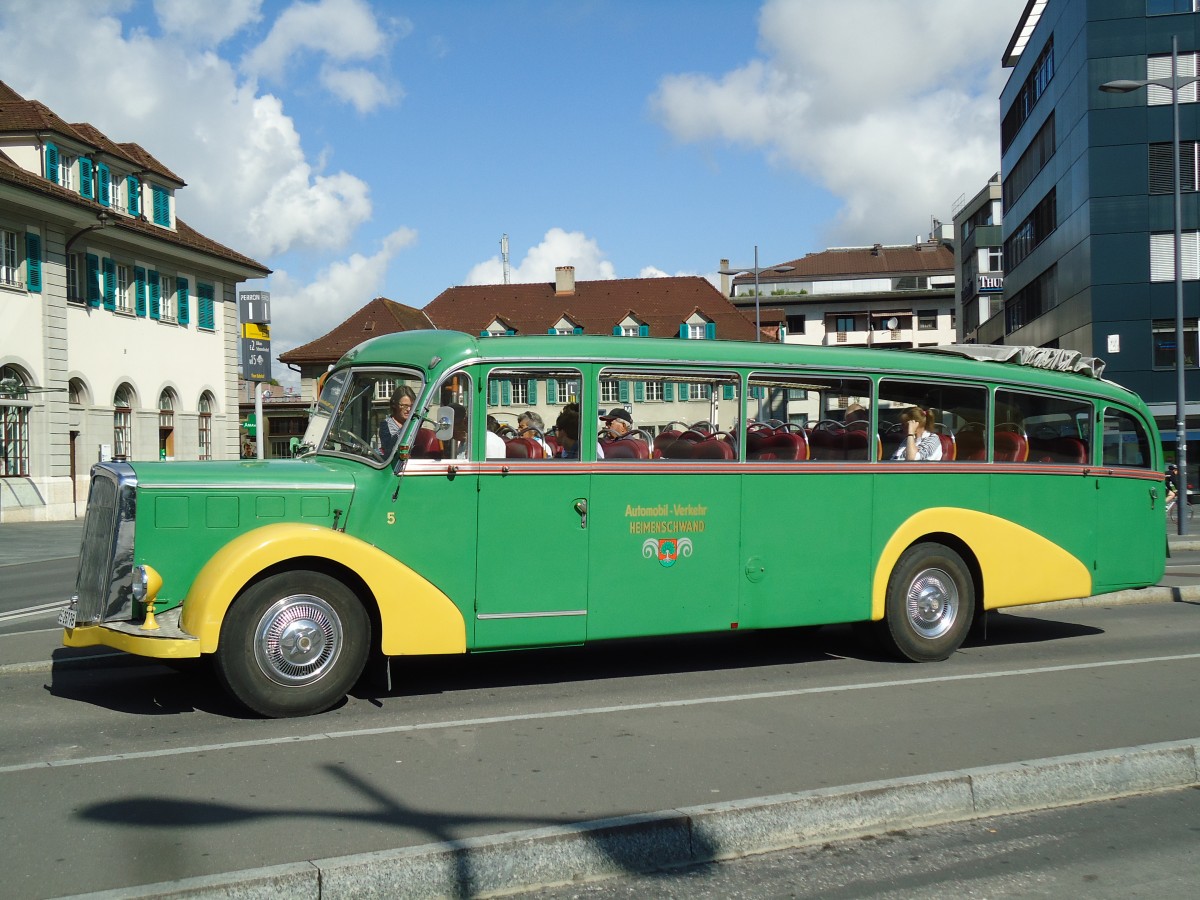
(1173, 84)
(755, 272)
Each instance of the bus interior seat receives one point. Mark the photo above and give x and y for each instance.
(757, 440)
(663, 439)
(825, 441)
(1069, 450)
(714, 448)
(787, 445)
(948, 448)
(523, 448)
(626, 448)
(555, 447)
(854, 444)
(1010, 446)
(970, 444)
(426, 445)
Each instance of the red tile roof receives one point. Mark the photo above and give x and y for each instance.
(851, 262)
(380, 316)
(661, 303)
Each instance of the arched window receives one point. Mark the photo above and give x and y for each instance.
(123, 422)
(166, 425)
(77, 392)
(207, 404)
(14, 423)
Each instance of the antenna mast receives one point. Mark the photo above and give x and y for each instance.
(504, 255)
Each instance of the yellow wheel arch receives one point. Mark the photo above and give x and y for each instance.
(416, 617)
(1018, 566)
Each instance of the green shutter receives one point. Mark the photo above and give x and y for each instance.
(493, 393)
(91, 290)
(33, 263)
(578, 329)
(182, 308)
(617, 330)
(551, 331)
(552, 390)
(110, 284)
(669, 391)
(134, 189)
(727, 392)
(52, 163)
(684, 392)
(207, 316)
(639, 391)
(139, 291)
(533, 391)
(683, 330)
(85, 177)
(623, 391)
(710, 331)
(506, 393)
(643, 331)
(152, 279)
(103, 181)
(162, 207)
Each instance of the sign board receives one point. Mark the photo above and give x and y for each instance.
(256, 331)
(989, 284)
(256, 359)
(255, 306)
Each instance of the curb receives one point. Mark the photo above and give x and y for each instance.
(612, 847)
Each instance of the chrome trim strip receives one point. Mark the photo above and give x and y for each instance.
(250, 486)
(533, 615)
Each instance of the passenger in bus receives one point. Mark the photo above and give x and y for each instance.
(617, 423)
(399, 410)
(495, 443)
(462, 448)
(566, 430)
(920, 442)
(530, 425)
(856, 412)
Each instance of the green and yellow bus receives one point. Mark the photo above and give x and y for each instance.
(757, 488)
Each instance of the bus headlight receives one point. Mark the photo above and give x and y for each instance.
(146, 584)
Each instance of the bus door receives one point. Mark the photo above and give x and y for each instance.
(664, 515)
(534, 516)
(1129, 519)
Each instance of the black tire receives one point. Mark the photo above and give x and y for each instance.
(930, 604)
(293, 644)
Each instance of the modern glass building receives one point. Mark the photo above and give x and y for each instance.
(1088, 192)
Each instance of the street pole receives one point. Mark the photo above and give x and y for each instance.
(1181, 499)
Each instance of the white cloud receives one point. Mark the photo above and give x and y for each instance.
(558, 248)
(342, 30)
(210, 22)
(303, 312)
(892, 106)
(358, 87)
(250, 184)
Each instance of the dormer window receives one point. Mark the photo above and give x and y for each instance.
(698, 327)
(631, 327)
(565, 325)
(497, 328)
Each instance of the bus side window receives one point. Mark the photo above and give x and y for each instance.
(1055, 430)
(651, 414)
(956, 411)
(1126, 442)
(802, 416)
(524, 405)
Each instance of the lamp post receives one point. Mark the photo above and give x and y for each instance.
(755, 272)
(1173, 84)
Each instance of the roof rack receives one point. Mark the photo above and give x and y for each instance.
(1052, 358)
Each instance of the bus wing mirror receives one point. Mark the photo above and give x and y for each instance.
(445, 423)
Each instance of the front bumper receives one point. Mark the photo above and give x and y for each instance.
(169, 641)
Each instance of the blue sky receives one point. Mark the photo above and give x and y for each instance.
(364, 149)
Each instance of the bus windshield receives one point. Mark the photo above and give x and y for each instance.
(368, 410)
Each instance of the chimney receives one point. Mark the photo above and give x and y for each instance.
(877, 249)
(724, 278)
(564, 281)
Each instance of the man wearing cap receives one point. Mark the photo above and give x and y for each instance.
(617, 423)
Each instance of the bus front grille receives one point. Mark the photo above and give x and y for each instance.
(103, 583)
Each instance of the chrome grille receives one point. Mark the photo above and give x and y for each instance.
(103, 582)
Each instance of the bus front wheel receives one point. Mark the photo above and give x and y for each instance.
(930, 604)
(293, 644)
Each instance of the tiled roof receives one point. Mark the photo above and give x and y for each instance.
(854, 262)
(597, 306)
(139, 155)
(143, 160)
(380, 316)
(183, 236)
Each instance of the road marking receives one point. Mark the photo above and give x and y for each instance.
(32, 611)
(586, 711)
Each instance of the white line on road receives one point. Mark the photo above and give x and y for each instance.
(586, 711)
(32, 611)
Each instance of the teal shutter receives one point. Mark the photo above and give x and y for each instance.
(493, 393)
(52, 163)
(577, 330)
(207, 310)
(727, 392)
(182, 309)
(139, 291)
(684, 393)
(134, 189)
(506, 393)
(623, 391)
(152, 278)
(509, 331)
(532, 392)
(103, 182)
(669, 391)
(683, 330)
(552, 390)
(92, 288)
(643, 331)
(484, 333)
(710, 331)
(162, 207)
(110, 284)
(617, 330)
(551, 331)
(85, 178)
(33, 263)
(639, 392)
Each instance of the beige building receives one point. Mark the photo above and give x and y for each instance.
(120, 337)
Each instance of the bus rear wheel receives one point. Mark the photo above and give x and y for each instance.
(930, 604)
(293, 644)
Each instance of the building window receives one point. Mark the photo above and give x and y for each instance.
(123, 304)
(1027, 236)
(695, 331)
(1162, 256)
(74, 261)
(795, 324)
(1162, 333)
(66, 169)
(629, 331)
(845, 323)
(166, 298)
(1033, 160)
(1027, 97)
(1162, 173)
(1036, 298)
(927, 320)
(205, 427)
(1166, 7)
(520, 392)
(654, 390)
(9, 269)
(122, 422)
(1160, 67)
(995, 256)
(610, 392)
(14, 424)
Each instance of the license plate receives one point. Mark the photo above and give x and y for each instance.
(66, 617)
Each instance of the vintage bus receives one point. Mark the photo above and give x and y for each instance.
(756, 489)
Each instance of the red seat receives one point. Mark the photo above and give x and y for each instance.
(948, 446)
(523, 448)
(663, 439)
(757, 440)
(854, 444)
(1010, 446)
(970, 444)
(784, 445)
(826, 443)
(426, 445)
(626, 448)
(714, 448)
(1070, 450)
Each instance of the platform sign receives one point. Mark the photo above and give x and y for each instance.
(256, 359)
(255, 306)
(256, 331)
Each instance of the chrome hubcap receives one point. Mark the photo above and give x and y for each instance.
(298, 639)
(932, 603)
